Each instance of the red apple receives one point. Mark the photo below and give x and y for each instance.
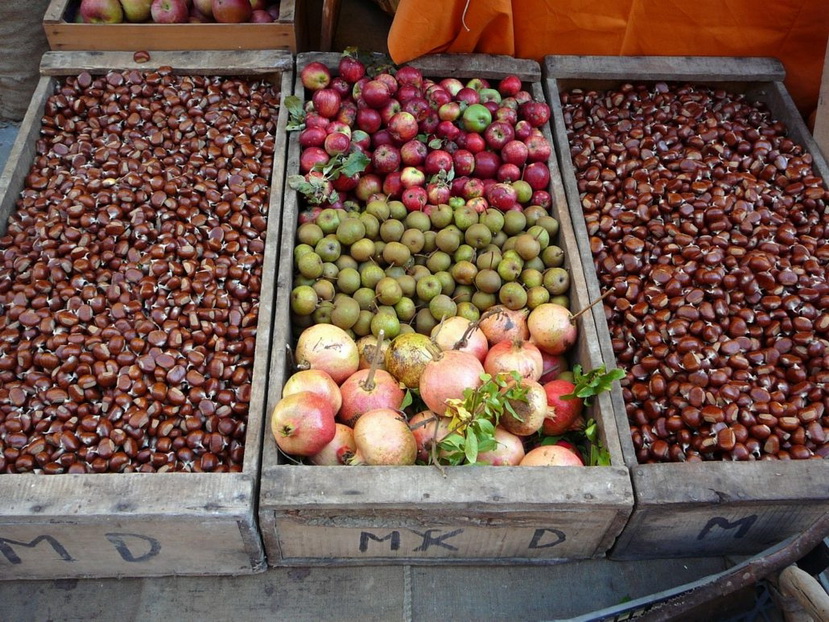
(392, 187)
(368, 120)
(418, 107)
(536, 113)
(468, 96)
(515, 152)
(101, 12)
(497, 134)
(486, 164)
(375, 93)
(232, 11)
(326, 102)
(453, 85)
(312, 156)
(412, 176)
(509, 86)
(343, 88)
(430, 123)
(413, 152)
(389, 80)
(473, 142)
(537, 175)
(414, 198)
(437, 161)
(508, 173)
(260, 17)
(314, 75)
(542, 198)
(259, 5)
(464, 162)
(402, 126)
(336, 143)
(501, 195)
(385, 159)
(351, 69)
(302, 424)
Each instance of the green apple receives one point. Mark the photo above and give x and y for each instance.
(523, 191)
(490, 95)
(476, 118)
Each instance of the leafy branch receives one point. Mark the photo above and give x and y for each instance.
(592, 383)
(316, 186)
(296, 113)
(473, 418)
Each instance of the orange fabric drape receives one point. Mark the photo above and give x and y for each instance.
(794, 31)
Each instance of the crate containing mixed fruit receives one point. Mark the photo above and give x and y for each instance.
(140, 217)
(436, 387)
(700, 199)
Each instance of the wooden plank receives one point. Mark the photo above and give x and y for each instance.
(132, 524)
(478, 65)
(709, 508)
(654, 68)
(821, 131)
(319, 515)
(64, 34)
(205, 63)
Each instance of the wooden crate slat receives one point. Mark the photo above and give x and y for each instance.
(672, 68)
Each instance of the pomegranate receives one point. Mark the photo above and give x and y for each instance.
(446, 376)
(500, 324)
(530, 414)
(551, 455)
(339, 451)
(369, 389)
(315, 381)
(562, 414)
(329, 348)
(457, 333)
(551, 328)
(303, 423)
(509, 452)
(428, 430)
(383, 437)
(518, 355)
(406, 356)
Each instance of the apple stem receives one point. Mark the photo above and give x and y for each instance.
(368, 384)
(576, 315)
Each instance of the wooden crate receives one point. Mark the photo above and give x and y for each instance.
(709, 508)
(64, 34)
(413, 514)
(135, 524)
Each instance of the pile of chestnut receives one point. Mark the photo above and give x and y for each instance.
(709, 224)
(130, 276)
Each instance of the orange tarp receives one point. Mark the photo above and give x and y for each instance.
(794, 31)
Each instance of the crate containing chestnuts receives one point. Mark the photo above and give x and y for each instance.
(700, 198)
(323, 501)
(140, 221)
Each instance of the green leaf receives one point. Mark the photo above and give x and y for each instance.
(592, 383)
(435, 143)
(408, 399)
(471, 447)
(355, 163)
(296, 113)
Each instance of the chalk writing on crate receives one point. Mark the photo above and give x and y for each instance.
(132, 547)
(542, 538)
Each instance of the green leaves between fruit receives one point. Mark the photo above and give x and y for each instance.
(592, 383)
(475, 416)
(316, 189)
(296, 113)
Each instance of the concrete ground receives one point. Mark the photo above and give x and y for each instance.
(382, 593)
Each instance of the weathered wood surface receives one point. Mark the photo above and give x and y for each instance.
(319, 515)
(665, 68)
(134, 524)
(712, 508)
(64, 34)
(208, 62)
